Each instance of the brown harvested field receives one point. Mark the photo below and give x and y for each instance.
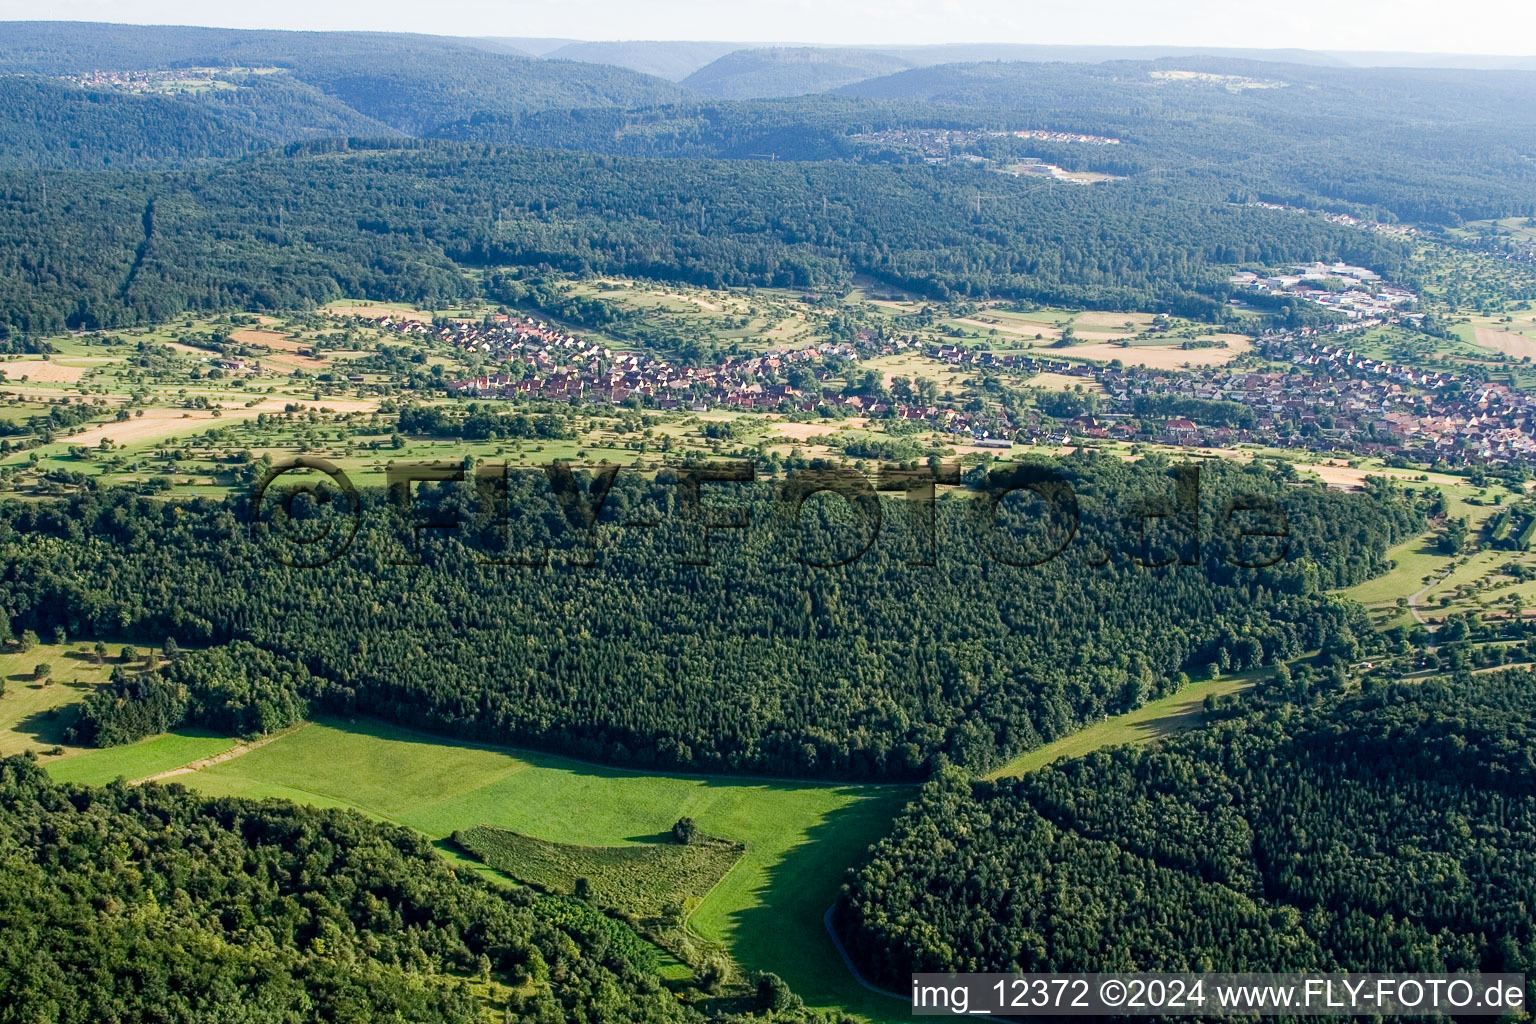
(1101, 319)
(1353, 477)
(374, 312)
(805, 431)
(1508, 342)
(1063, 382)
(1015, 327)
(1161, 357)
(42, 370)
(285, 350)
(190, 350)
(268, 339)
(161, 423)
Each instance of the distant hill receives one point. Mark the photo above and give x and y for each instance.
(1428, 145)
(673, 61)
(411, 83)
(789, 71)
(538, 46)
(951, 53)
(47, 123)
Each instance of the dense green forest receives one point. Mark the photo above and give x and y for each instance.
(1425, 145)
(327, 221)
(761, 660)
(45, 123)
(1377, 831)
(789, 71)
(152, 903)
(411, 83)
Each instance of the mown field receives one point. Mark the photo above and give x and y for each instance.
(34, 713)
(767, 911)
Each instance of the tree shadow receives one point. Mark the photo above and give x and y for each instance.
(658, 838)
(785, 932)
(48, 726)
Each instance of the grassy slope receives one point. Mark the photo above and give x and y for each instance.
(1153, 720)
(34, 716)
(138, 760)
(800, 837)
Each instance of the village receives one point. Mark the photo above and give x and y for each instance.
(1325, 398)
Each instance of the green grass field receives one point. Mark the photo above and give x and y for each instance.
(139, 760)
(1153, 720)
(34, 715)
(799, 837)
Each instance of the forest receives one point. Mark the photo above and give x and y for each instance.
(816, 641)
(411, 83)
(404, 220)
(153, 903)
(1383, 830)
(45, 123)
(1428, 146)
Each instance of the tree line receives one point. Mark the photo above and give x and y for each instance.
(154, 903)
(1384, 830)
(805, 644)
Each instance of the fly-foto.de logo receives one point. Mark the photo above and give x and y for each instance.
(306, 512)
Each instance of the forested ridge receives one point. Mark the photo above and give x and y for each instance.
(1421, 145)
(412, 83)
(1434, 146)
(45, 123)
(1380, 831)
(756, 662)
(153, 903)
(403, 223)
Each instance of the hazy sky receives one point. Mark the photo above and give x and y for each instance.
(1464, 26)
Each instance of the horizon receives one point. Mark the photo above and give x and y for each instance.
(1364, 26)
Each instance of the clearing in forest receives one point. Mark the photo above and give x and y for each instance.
(798, 837)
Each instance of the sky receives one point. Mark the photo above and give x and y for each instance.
(1434, 26)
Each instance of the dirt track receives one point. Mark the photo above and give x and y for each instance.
(228, 755)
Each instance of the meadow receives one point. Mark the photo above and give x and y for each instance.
(767, 911)
(35, 713)
(1154, 720)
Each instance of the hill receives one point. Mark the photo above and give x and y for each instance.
(48, 123)
(673, 61)
(761, 73)
(411, 83)
(406, 221)
(1383, 831)
(1434, 146)
(957, 53)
